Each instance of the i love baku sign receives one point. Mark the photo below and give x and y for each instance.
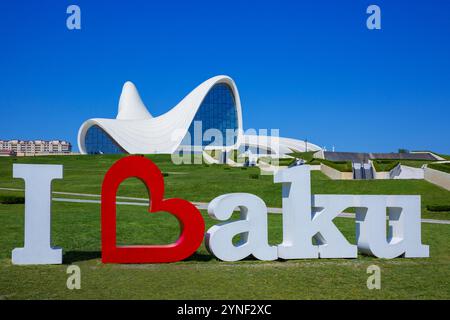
(308, 228)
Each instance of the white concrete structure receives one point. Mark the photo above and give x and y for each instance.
(215, 104)
(440, 178)
(407, 172)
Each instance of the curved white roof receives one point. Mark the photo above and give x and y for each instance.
(162, 134)
(279, 145)
(137, 131)
(131, 106)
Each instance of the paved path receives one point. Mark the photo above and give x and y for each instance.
(199, 205)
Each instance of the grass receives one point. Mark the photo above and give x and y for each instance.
(445, 156)
(444, 167)
(307, 156)
(342, 166)
(281, 162)
(415, 163)
(76, 228)
(285, 162)
(84, 174)
(384, 165)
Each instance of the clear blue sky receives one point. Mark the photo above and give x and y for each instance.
(310, 68)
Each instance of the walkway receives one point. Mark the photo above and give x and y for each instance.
(199, 205)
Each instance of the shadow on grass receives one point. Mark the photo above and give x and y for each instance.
(78, 256)
(201, 257)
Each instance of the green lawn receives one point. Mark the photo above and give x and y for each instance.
(84, 174)
(415, 163)
(445, 156)
(384, 165)
(76, 228)
(307, 156)
(343, 166)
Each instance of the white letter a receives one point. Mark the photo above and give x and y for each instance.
(74, 20)
(374, 20)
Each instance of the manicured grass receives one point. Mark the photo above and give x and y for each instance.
(415, 163)
(200, 182)
(281, 162)
(445, 156)
(444, 167)
(307, 156)
(384, 165)
(343, 166)
(76, 228)
(285, 162)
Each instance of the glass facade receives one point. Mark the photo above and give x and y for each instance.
(217, 111)
(97, 141)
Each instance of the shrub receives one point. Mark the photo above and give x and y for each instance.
(165, 174)
(12, 200)
(254, 176)
(438, 208)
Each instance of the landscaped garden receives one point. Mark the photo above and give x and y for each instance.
(76, 228)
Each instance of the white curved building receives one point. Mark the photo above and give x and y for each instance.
(208, 117)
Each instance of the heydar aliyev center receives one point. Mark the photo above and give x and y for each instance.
(213, 105)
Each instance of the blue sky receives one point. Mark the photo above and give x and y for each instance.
(310, 68)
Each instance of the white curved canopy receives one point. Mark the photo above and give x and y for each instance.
(162, 134)
(136, 131)
(131, 106)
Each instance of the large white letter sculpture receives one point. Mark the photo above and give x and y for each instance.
(252, 227)
(308, 218)
(37, 249)
(301, 225)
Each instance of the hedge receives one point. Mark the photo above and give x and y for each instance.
(12, 200)
(438, 208)
(445, 167)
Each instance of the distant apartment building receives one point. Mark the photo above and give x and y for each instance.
(34, 147)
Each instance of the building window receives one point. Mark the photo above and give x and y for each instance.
(97, 141)
(217, 111)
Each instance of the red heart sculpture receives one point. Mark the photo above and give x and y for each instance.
(191, 221)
